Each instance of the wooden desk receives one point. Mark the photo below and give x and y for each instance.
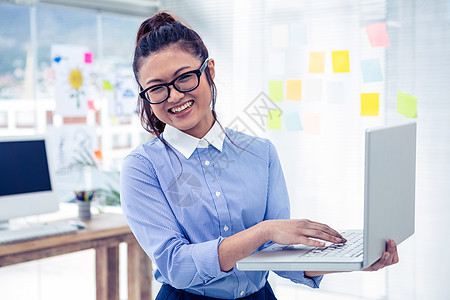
(103, 233)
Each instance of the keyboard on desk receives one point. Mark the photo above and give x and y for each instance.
(36, 232)
(352, 248)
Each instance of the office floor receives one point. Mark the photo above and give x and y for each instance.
(420, 274)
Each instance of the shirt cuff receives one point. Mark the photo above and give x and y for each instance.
(299, 277)
(313, 282)
(206, 259)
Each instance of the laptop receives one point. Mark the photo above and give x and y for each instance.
(389, 210)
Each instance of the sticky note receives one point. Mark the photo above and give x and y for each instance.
(312, 90)
(88, 57)
(298, 34)
(370, 104)
(336, 92)
(280, 36)
(341, 61)
(90, 104)
(115, 120)
(311, 123)
(274, 119)
(98, 154)
(377, 35)
(107, 85)
(371, 70)
(277, 64)
(276, 90)
(292, 121)
(293, 89)
(316, 62)
(406, 105)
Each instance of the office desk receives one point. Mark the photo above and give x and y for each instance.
(103, 233)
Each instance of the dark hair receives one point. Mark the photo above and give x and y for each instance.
(158, 33)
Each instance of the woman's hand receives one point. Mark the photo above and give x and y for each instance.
(388, 258)
(289, 232)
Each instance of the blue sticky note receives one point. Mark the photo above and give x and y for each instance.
(292, 121)
(298, 34)
(371, 70)
(336, 92)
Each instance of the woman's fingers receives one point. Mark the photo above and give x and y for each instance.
(321, 231)
(388, 258)
(288, 232)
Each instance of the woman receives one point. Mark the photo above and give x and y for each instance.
(199, 197)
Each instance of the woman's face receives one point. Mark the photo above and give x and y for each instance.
(190, 112)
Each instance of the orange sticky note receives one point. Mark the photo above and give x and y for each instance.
(377, 34)
(341, 61)
(370, 104)
(316, 62)
(98, 154)
(293, 89)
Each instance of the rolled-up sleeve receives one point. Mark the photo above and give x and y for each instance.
(152, 221)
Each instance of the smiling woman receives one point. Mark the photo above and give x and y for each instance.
(197, 222)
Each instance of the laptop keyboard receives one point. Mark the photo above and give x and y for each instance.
(352, 248)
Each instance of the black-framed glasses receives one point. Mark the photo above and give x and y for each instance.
(184, 83)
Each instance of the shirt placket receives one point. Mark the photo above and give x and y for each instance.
(216, 191)
(211, 178)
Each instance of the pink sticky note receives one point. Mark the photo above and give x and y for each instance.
(88, 57)
(90, 104)
(377, 34)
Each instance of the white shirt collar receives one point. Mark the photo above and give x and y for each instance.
(187, 144)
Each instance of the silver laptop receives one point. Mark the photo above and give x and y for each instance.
(389, 210)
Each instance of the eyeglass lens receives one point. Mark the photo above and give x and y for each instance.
(184, 83)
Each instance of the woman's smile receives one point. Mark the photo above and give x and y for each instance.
(182, 109)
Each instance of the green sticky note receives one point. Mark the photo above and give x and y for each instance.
(406, 105)
(276, 90)
(274, 119)
(107, 85)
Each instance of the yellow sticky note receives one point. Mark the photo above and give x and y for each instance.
(370, 104)
(293, 89)
(407, 105)
(114, 120)
(316, 62)
(276, 90)
(341, 61)
(274, 119)
(107, 85)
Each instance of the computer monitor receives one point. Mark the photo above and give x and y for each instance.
(26, 178)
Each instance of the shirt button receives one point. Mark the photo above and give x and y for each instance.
(242, 293)
(225, 228)
(207, 162)
(217, 194)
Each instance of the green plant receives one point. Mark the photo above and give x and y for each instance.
(108, 180)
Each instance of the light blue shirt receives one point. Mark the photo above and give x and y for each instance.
(181, 209)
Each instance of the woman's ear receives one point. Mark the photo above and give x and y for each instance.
(211, 68)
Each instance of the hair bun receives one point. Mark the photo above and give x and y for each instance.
(161, 19)
(157, 21)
